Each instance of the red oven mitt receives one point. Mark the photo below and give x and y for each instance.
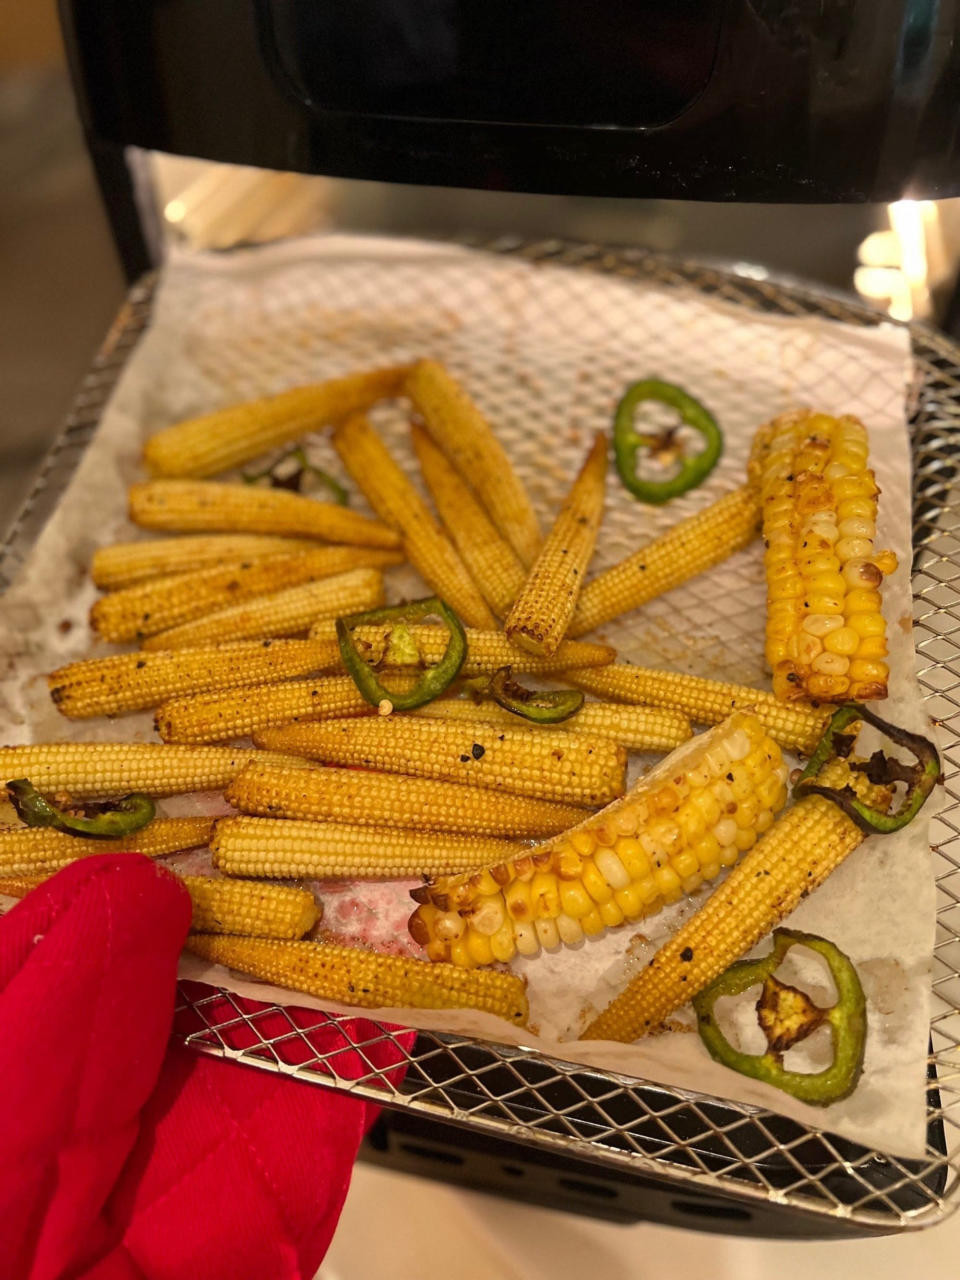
(123, 1157)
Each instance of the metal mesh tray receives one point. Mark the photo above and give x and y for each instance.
(688, 1140)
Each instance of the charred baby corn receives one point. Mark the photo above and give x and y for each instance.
(124, 563)
(34, 850)
(284, 848)
(826, 637)
(350, 976)
(228, 437)
(560, 766)
(691, 547)
(206, 506)
(394, 800)
(796, 726)
(542, 611)
(698, 811)
(397, 503)
(803, 847)
(250, 907)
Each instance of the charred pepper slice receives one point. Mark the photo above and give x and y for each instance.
(787, 1015)
(665, 445)
(402, 648)
(540, 706)
(298, 478)
(920, 778)
(106, 822)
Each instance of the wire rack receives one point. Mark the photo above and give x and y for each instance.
(675, 1137)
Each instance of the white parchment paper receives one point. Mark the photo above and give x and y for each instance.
(547, 352)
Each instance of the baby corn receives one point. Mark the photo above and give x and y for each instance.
(163, 603)
(542, 611)
(688, 549)
(796, 855)
(546, 766)
(636, 728)
(796, 726)
(398, 504)
(393, 800)
(229, 437)
(36, 850)
(20, 886)
(288, 849)
(282, 613)
(250, 907)
(126, 563)
(223, 715)
(205, 506)
(366, 979)
(99, 770)
(826, 637)
(136, 681)
(463, 433)
(697, 812)
(494, 565)
(487, 651)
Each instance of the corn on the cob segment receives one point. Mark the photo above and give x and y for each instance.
(228, 437)
(353, 977)
(398, 504)
(125, 563)
(697, 812)
(99, 770)
(223, 715)
(20, 886)
(487, 651)
(796, 726)
(284, 848)
(250, 907)
(135, 681)
(547, 766)
(688, 549)
(163, 603)
(542, 611)
(206, 506)
(465, 436)
(29, 850)
(393, 800)
(636, 728)
(281, 613)
(494, 565)
(826, 637)
(796, 855)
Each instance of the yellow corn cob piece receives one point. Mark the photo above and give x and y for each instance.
(688, 549)
(20, 886)
(398, 504)
(487, 651)
(796, 855)
(353, 977)
(162, 603)
(29, 850)
(99, 770)
(282, 613)
(393, 800)
(463, 433)
(569, 767)
(494, 565)
(636, 728)
(251, 908)
(135, 681)
(198, 506)
(797, 726)
(236, 713)
(826, 637)
(287, 849)
(542, 611)
(229, 437)
(697, 812)
(126, 563)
